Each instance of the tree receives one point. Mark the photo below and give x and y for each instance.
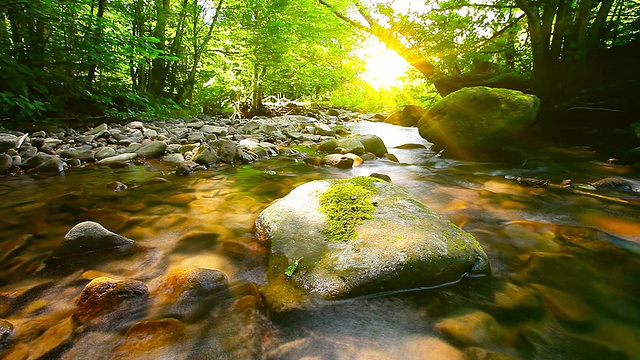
(566, 40)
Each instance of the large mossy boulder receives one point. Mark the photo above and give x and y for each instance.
(478, 122)
(356, 237)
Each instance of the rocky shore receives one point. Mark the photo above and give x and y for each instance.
(186, 145)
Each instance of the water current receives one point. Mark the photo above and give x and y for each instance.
(565, 262)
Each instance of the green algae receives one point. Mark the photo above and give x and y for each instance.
(346, 203)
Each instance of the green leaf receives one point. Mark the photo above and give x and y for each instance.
(292, 268)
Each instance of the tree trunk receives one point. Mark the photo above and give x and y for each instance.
(158, 73)
(97, 36)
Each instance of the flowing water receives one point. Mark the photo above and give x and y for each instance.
(565, 263)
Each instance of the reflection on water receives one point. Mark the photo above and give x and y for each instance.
(565, 264)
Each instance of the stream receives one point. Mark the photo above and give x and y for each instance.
(565, 262)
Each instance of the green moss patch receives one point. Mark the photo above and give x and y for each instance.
(346, 204)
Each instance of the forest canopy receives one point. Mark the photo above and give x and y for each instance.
(134, 57)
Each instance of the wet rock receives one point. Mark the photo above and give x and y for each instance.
(186, 168)
(477, 121)
(89, 237)
(83, 155)
(188, 294)
(565, 306)
(105, 152)
(372, 144)
(195, 241)
(206, 156)
(400, 244)
(37, 160)
(53, 340)
(477, 353)
(117, 158)
(6, 162)
(6, 334)
(8, 141)
(173, 158)
(613, 184)
(109, 303)
(513, 298)
(226, 150)
(472, 328)
(342, 161)
(349, 145)
(392, 157)
(547, 340)
(98, 129)
(428, 348)
(384, 177)
(53, 165)
(154, 339)
(152, 149)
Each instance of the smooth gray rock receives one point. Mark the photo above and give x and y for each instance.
(8, 141)
(6, 162)
(152, 149)
(89, 237)
(117, 158)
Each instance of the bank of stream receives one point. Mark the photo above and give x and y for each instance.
(565, 261)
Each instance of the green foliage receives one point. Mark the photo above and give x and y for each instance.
(346, 204)
(360, 96)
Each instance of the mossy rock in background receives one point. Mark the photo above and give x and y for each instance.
(478, 122)
(391, 242)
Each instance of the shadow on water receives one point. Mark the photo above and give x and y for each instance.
(565, 264)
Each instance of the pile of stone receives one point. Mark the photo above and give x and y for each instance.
(183, 144)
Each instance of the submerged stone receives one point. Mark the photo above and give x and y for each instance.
(87, 237)
(105, 302)
(397, 243)
(153, 339)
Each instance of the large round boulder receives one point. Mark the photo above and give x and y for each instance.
(476, 122)
(346, 238)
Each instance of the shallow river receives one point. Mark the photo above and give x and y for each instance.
(565, 263)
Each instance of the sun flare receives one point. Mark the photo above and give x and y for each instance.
(383, 67)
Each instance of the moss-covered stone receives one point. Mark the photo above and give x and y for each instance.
(346, 204)
(401, 244)
(476, 121)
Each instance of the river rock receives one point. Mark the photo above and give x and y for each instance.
(53, 165)
(105, 152)
(8, 141)
(188, 294)
(374, 238)
(409, 116)
(226, 150)
(6, 334)
(372, 144)
(342, 161)
(478, 121)
(37, 160)
(472, 328)
(152, 149)
(105, 302)
(205, 155)
(118, 158)
(89, 237)
(6, 162)
(154, 339)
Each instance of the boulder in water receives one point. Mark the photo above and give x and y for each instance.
(105, 302)
(359, 236)
(476, 122)
(89, 237)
